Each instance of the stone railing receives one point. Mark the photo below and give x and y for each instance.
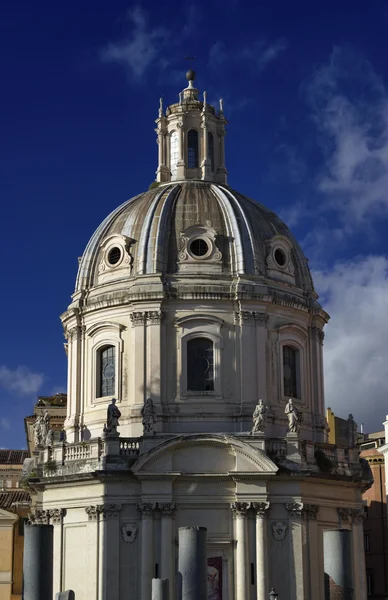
(81, 451)
(276, 447)
(129, 447)
(63, 454)
(317, 456)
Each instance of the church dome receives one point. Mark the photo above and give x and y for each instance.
(195, 297)
(194, 227)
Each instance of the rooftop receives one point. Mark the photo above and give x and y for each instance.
(13, 457)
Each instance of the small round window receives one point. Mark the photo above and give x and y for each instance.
(199, 247)
(114, 256)
(280, 257)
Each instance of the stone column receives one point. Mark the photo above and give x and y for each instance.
(205, 163)
(154, 372)
(221, 171)
(56, 518)
(240, 510)
(92, 556)
(359, 554)
(261, 320)
(192, 567)
(337, 551)
(296, 532)
(138, 359)
(38, 562)
(109, 532)
(312, 571)
(261, 509)
(160, 589)
(315, 340)
(74, 336)
(248, 363)
(181, 164)
(147, 549)
(167, 569)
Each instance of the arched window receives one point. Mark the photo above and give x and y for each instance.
(291, 376)
(107, 370)
(210, 147)
(200, 365)
(192, 149)
(174, 152)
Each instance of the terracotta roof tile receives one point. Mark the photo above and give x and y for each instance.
(7, 499)
(13, 457)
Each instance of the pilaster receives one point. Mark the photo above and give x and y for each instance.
(360, 589)
(92, 553)
(240, 510)
(312, 570)
(56, 516)
(294, 510)
(138, 358)
(168, 510)
(147, 548)
(154, 372)
(109, 542)
(261, 510)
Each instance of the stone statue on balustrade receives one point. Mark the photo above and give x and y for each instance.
(148, 416)
(41, 429)
(49, 438)
(37, 427)
(112, 420)
(259, 418)
(352, 432)
(295, 417)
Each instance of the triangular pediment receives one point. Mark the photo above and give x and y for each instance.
(205, 455)
(7, 515)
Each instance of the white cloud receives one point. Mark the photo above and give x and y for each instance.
(20, 380)
(350, 105)
(141, 49)
(355, 293)
(4, 423)
(148, 47)
(262, 53)
(217, 54)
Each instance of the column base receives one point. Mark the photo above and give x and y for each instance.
(163, 174)
(222, 175)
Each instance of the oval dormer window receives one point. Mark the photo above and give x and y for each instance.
(114, 256)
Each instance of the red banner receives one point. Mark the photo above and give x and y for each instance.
(214, 578)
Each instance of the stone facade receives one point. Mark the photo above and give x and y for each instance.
(193, 302)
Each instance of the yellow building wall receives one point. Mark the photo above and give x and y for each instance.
(6, 543)
(18, 548)
(330, 418)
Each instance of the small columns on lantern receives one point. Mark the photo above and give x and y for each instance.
(190, 136)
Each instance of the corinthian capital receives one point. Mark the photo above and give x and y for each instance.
(56, 515)
(146, 508)
(92, 512)
(109, 511)
(310, 511)
(295, 508)
(39, 517)
(240, 509)
(137, 318)
(261, 508)
(167, 508)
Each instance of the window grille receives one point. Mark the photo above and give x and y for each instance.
(107, 371)
(290, 371)
(200, 365)
(210, 145)
(192, 149)
(174, 152)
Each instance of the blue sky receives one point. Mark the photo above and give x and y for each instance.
(305, 91)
